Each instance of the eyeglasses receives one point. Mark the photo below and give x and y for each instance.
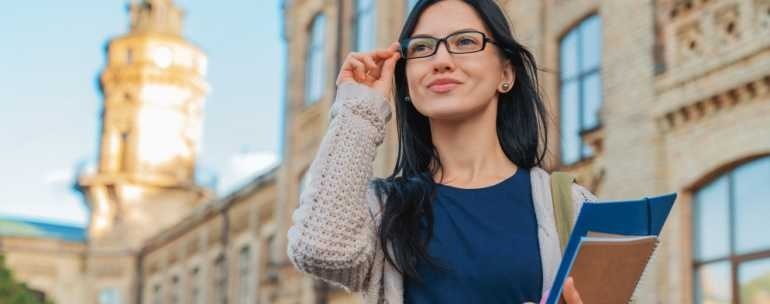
(462, 42)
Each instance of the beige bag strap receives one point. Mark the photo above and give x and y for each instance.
(563, 211)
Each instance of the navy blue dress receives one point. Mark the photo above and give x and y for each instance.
(488, 239)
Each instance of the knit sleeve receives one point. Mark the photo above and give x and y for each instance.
(333, 233)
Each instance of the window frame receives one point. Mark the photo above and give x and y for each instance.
(175, 289)
(579, 79)
(157, 293)
(317, 26)
(358, 13)
(219, 278)
(245, 277)
(733, 257)
(196, 284)
(109, 295)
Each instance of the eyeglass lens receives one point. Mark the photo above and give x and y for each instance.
(457, 43)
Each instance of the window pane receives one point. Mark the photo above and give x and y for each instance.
(570, 141)
(752, 206)
(409, 5)
(109, 296)
(317, 39)
(316, 85)
(591, 95)
(244, 280)
(591, 43)
(754, 280)
(220, 280)
(592, 100)
(711, 213)
(314, 70)
(586, 150)
(365, 25)
(158, 295)
(175, 292)
(129, 56)
(568, 60)
(195, 286)
(363, 5)
(713, 284)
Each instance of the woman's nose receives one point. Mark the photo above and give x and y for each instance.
(442, 60)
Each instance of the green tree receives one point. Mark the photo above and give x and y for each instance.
(12, 292)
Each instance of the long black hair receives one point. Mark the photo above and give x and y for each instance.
(410, 188)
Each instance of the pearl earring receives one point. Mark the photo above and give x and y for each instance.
(505, 86)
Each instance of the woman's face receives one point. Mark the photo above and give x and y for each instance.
(479, 76)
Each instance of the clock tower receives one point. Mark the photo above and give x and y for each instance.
(154, 89)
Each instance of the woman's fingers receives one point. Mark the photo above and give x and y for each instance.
(570, 293)
(386, 53)
(344, 76)
(388, 67)
(358, 66)
(348, 70)
(374, 69)
(385, 82)
(395, 46)
(359, 70)
(383, 54)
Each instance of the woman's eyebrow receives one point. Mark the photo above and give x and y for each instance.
(457, 31)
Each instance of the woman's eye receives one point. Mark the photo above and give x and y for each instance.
(466, 41)
(420, 47)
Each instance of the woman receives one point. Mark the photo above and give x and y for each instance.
(466, 214)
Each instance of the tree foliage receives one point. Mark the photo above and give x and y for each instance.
(13, 292)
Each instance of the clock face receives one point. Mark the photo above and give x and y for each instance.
(162, 56)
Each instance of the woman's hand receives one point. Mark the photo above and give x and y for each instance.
(569, 293)
(373, 69)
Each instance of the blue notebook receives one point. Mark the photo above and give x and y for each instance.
(632, 225)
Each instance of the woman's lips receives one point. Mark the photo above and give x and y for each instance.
(443, 88)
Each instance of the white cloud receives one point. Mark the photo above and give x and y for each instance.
(243, 167)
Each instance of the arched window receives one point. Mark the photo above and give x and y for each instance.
(196, 286)
(580, 53)
(157, 294)
(219, 278)
(245, 283)
(129, 56)
(176, 290)
(731, 247)
(315, 68)
(364, 19)
(109, 295)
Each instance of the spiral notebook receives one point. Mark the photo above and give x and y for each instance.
(610, 245)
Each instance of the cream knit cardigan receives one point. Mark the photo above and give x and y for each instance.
(334, 230)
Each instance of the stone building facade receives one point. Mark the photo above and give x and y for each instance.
(647, 97)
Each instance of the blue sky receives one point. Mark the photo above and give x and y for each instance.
(50, 56)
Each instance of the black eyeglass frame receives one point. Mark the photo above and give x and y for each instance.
(404, 44)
